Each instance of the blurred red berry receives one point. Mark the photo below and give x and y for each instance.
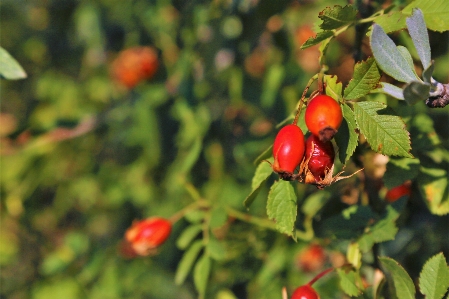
(134, 65)
(148, 234)
(305, 292)
(397, 192)
(311, 258)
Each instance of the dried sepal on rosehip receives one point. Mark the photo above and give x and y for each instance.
(323, 117)
(145, 236)
(288, 151)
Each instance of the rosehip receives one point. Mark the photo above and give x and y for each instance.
(397, 192)
(323, 117)
(288, 149)
(311, 258)
(146, 235)
(305, 292)
(322, 157)
(134, 65)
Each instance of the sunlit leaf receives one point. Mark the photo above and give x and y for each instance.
(434, 277)
(436, 13)
(333, 86)
(320, 36)
(388, 56)
(337, 16)
(9, 67)
(403, 284)
(390, 22)
(418, 32)
(434, 187)
(386, 134)
(365, 78)
(281, 206)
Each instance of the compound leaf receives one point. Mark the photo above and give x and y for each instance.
(386, 134)
(320, 36)
(365, 78)
(347, 137)
(281, 206)
(337, 16)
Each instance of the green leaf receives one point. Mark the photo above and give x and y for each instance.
(400, 170)
(216, 249)
(391, 90)
(365, 78)
(390, 22)
(263, 172)
(347, 137)
(434, 277)
(337, 16)
(321, 36)
(408, 57)
(354, 256)
(9, 67)
(314, 202)
(436, 13)
(333, 86)
(386, 134)
(418, 32)
(383, 230)
(388, 56)
(267, 153)
(272, 82)
(281, 206)
(416, 91)
(188, 235)
(428, 72)
(201, 274)
(350, 282)
(187, 260)
(434, 187)
(218, 216)
(403, 284)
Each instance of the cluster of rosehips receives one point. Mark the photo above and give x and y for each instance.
(315, 156)
(134, 65)
(145, 236)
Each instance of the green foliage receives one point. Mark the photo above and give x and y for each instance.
(85, 153)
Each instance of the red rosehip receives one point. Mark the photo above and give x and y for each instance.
(288, 149)
(305, 292)
(311, 258)
(322, 157)
(323, 117)
(145, 235)
(397, 192)
(134, 65)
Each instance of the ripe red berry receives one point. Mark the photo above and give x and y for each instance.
(323, 117)
(134, 65)
(288, 149)
(305, 292)
(397, 192)
(321, 158)
(145, 235)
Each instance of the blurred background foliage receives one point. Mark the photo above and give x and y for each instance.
(83, 156)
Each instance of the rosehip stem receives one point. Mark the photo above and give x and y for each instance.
(320, 275)
(301, 101)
